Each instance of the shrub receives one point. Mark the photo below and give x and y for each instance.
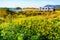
(31, 29)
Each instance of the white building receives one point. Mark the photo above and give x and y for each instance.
(50, 9)
(46, 9)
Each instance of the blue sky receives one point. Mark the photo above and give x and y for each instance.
(28, 3)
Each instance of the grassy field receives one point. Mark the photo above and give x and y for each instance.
(30, 26)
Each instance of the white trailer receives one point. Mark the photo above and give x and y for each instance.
(44, 9)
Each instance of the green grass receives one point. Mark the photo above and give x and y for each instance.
(30, 28)
(45, 26)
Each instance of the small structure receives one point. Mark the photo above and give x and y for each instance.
(51, 9)
(44, 9)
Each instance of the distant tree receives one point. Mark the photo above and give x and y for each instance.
(18, 7)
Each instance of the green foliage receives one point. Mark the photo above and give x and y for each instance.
(33, 29)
